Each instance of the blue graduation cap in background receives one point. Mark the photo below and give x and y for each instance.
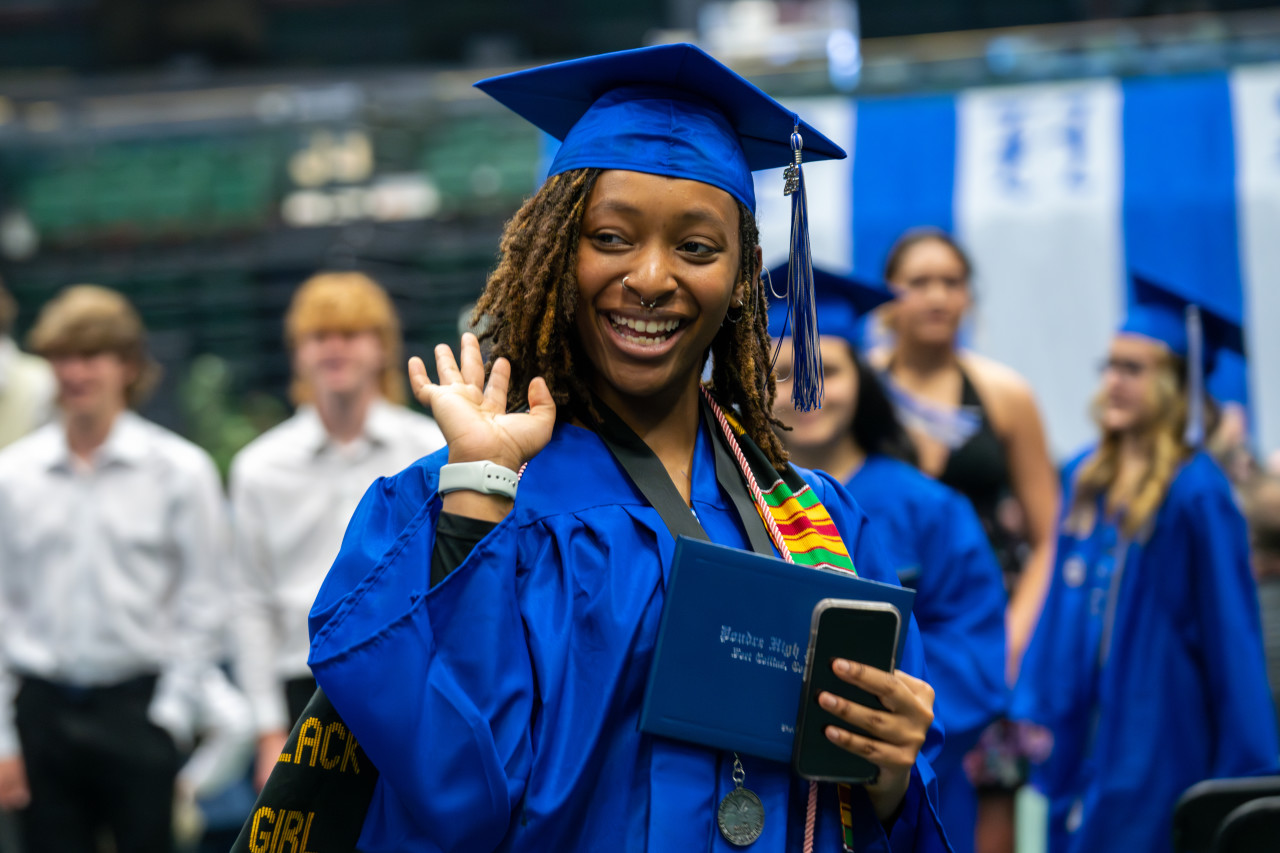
(842, 302)
(1195, 324)
(673, 110)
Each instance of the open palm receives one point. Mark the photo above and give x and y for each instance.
(473, 416)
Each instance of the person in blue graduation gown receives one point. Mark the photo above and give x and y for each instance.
(931, 532)
(1147, 664)
(500, 702)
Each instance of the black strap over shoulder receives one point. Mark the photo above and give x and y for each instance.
(651, 478)
(316, 797)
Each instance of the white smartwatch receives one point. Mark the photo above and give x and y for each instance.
(485, 477)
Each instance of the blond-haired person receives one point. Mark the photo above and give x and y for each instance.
(1147, 662)
(294, 488)
(112, 539)
(26, 382)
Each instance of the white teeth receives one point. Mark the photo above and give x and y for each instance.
(648, 327)
(654, 332)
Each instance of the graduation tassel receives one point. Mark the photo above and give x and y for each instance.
(1194, 435)
(806, 365)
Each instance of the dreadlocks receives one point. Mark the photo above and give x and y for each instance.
(531, 297)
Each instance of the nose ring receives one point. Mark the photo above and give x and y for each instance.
(648, 306)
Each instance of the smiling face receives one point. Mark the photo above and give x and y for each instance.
(676, 242)
(932, 289)
(822, 428)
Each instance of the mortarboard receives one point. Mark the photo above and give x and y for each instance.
(842, 303)
(1195, 326)
(673, 110)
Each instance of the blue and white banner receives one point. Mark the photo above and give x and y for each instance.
(1056, 190)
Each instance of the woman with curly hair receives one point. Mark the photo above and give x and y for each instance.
(1147, 665)
(488, 642)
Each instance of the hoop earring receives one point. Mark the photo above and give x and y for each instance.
(648, 306)
(731, 319)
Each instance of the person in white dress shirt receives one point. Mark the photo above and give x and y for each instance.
(295, 487)
(113, 540)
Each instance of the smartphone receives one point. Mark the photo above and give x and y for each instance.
(862, 631)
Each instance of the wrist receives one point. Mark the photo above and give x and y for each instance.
(888, 796)
(477, 505)
(504, 459)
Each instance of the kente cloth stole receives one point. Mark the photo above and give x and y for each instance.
(806, 526)
(806, 531)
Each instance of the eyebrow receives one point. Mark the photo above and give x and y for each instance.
(695, 214)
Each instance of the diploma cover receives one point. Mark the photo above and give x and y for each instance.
(728, 664)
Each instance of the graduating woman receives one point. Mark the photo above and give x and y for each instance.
(488, 645)
(1147, 663)
(931, 532)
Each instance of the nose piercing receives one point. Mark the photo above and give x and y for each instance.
(648, 306)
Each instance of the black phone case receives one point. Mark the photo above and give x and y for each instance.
(861, 631)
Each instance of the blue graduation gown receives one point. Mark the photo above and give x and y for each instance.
(1147, 667)
(501, 707)
(938, 548)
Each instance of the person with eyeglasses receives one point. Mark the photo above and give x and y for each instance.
(1147, 664)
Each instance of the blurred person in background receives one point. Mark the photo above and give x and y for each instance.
(1262, 510)
(1147, 663)
(974, 421)
(977, 429)
(931, 532)
(294, 488)
(26, 382)
(112, 545)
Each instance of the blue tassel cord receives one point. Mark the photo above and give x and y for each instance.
(806, 365)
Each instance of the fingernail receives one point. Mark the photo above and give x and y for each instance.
(842, 666)
(833, 734)
(827, 701)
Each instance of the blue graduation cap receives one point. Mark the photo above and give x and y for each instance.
(1196, 326)
(673, 110)
(842, 303)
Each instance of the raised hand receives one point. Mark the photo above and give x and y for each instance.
(473, 416)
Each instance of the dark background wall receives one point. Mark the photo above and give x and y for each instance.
(99, 35)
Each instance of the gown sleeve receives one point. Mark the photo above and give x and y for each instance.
(917, 828)
(964, 638)
(1226, 603)
(377, 617)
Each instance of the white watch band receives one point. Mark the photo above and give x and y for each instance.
(487, 478)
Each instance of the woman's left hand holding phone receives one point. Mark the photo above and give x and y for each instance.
(896, 734)
(474, 419)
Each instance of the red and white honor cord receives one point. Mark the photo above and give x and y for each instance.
(811, 807)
